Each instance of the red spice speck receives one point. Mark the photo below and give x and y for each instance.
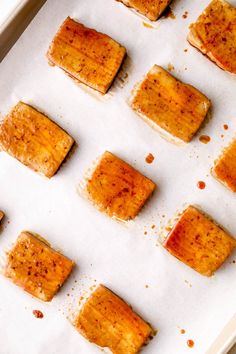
(149, 158)
(190, 343)
(201, 185)
(226, 127)
(185, 15)
(38, 314)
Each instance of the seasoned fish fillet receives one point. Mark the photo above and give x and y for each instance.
(1, 215)
(34, 139)
(118, 189)
(175, 109)
(86, 55)
(36, 267)
(225, 167)
(152, 9)
(108, 321)
(199, 242)
(214, 34)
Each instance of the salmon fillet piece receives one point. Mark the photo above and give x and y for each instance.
(106, 320)
(88, 56)
(152, 9)
(199, 242)
(118, 189)
(214, 34)
(36, 267)
(34, 139)
(225, 167)
(175, 109)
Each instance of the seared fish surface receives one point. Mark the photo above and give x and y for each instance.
(199, 242)
(88, 56)
(118, 189)
(36, 267)
(152, 9)
(214, 34)
(175, 109)
(108, 321)
(225, 167)
(34, 139)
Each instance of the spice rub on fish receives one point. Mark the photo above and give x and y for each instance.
(152, 9)
(214, 34)
(33, 139)
(118, 189)
(36, 267)
(88, 56)
(199, 242)
(107, 321)
(172, 107)
(224, 169)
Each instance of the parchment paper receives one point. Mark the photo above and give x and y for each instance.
(120, 256)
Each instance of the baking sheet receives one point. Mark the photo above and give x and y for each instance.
(117, 255)
(14, 18)
(7, 8)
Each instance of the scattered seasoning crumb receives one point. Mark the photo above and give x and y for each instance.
(37, 314)
(168, 228)
(205, 139)
(234, 261)
(154, 332)
(185, 50)
(121, 80)
(149, 158)
(185, 15)
(153, 226)
(222, 136)
(170, 67)
(146, 286)
(187, 282)
(147, 25)
(182, 331)
(168, 13)
(145, 232)
(201, 184)
(226, 127)
(190, 343)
